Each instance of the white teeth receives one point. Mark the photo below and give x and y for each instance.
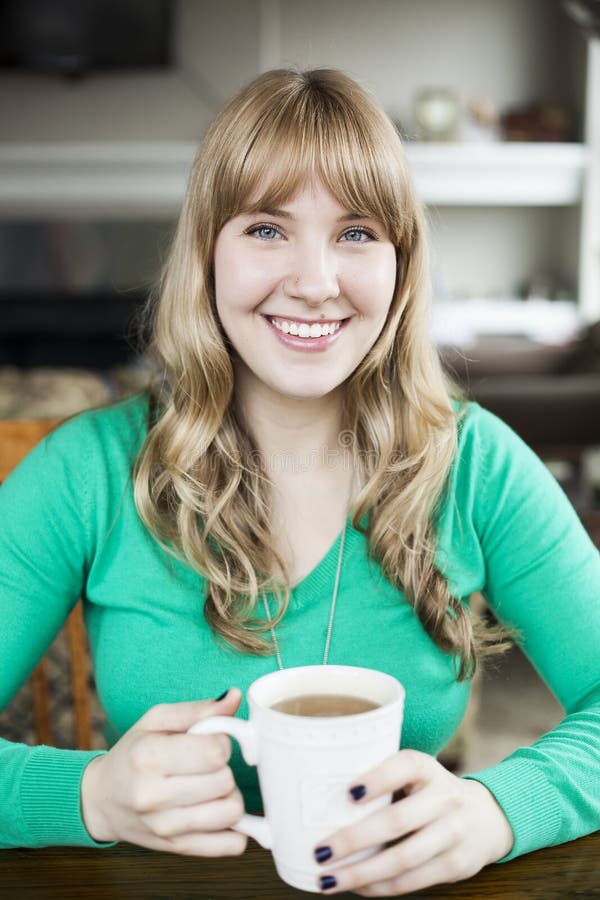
(304, 330)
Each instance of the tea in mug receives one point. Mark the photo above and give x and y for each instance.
(324, 705)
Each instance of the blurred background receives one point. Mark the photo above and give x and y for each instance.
(103, 103)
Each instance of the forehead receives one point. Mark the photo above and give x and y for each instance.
(312, 195)
(311, 198)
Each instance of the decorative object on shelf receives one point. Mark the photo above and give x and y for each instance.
(437, 113)
(537, 122)
(480, 123)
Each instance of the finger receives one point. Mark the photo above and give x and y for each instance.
(446, 868)
(188, 790)
(221, 843)
(394, 821)
(214, 815)
(159, 794)
(181, 754)
(218, 843)
(173, 717)
(405, 770)
(404, 856)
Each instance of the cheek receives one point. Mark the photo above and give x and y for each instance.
(373, 286)
(386, 273)
(228, 277)
(241, 280)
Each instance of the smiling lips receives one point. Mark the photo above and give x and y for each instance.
(305, 329)
(299, 335)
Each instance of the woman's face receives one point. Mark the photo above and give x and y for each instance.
(282, 274)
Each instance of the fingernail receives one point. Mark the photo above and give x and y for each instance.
(323, 853)
(327, 881)
(224, 694)
(358, 791)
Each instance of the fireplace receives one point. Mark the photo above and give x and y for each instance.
(90, 329)
(70, 296)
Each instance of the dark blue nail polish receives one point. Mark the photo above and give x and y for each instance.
(327, 881)
(358, 791)
(322, 854)
(224, 694)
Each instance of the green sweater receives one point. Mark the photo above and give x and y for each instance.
(69, 528)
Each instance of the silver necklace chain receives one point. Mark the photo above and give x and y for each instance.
(331, 611)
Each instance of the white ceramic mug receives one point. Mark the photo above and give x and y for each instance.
(306, 764)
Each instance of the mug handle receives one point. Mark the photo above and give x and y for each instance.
(255, 827)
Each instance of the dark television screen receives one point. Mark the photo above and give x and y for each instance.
(72, 37)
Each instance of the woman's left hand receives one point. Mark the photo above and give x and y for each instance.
(444, 828)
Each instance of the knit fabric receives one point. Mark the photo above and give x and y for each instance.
(505, 528)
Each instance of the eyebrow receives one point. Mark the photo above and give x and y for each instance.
(278, 213)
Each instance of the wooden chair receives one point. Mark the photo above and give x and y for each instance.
(17, 438)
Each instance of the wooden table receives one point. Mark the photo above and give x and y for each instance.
(129, 873)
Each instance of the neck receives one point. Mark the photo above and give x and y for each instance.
(294, 435)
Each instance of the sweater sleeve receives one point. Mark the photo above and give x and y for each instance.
(45, 547)
(542, 576)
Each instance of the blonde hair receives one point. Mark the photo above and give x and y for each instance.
(200, 486)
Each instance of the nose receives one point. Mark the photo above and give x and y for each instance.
(313, 276)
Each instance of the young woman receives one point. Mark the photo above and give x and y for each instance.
(301, 455)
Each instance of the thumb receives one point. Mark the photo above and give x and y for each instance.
(179, 717)
(227, 704)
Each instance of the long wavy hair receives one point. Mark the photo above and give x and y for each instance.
(200, 485)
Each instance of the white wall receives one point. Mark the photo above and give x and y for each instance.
(216, 51)
(492, 251)
(508, 50)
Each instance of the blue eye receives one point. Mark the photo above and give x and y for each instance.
(355, 235)
(264, 232)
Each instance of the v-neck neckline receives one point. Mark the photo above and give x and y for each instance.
(320, 580)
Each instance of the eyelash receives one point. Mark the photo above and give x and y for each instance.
(358, 228)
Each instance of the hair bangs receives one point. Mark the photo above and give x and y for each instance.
(276, 160)
(312, 134)
(360, 169)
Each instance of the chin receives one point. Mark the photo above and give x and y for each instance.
(310, 392)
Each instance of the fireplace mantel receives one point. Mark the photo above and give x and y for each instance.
(99, 181)
(147, 180)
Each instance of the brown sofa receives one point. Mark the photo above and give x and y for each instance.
(549, 395)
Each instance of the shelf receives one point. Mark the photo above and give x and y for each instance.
(117, 180)
(103, 181)
(498, 174)
(460, 323)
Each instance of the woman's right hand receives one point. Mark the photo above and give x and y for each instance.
(162, 788)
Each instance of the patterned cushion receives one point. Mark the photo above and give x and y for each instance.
(16, 720)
